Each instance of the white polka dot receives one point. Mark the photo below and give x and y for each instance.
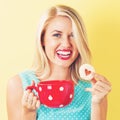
(61, 88)
(71, 95)
(61, 105)
(40, 88)
(50, 97)
(49, 87)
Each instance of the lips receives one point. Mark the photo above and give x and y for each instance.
(64, 54)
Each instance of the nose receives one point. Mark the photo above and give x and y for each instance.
(66, 42)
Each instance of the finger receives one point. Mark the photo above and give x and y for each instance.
(26, 95)
(95, 90)
(93, 81)
(38, 104)
(101, 78)
(30, 99)
(24, 99)
(33, 83)
(34, 102)
(89, 89)
(99, 89)
(103, 85)
(28, 91)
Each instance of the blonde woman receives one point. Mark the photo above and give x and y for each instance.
(61, 48)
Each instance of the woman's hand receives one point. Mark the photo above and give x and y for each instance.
(100, 88)
(30, 101)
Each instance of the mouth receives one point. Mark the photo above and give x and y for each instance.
(64, 54)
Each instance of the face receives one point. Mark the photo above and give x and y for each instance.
(59, 43)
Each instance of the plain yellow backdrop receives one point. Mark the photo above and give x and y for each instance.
(18, 25)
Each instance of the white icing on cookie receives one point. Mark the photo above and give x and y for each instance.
(86, 71)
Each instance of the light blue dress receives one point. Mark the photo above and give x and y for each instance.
(78, 109)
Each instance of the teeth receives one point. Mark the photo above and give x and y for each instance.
(64, 52)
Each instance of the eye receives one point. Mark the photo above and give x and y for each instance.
(57, 35)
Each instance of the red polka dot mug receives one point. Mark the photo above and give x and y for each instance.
(54, 93)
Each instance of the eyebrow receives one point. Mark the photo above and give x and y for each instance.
(56, 31)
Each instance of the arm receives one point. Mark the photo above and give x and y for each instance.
(16, 107)
(100, 89)
(99, 110)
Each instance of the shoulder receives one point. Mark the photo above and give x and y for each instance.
(14, 81)
(14, 85)
(14, 95)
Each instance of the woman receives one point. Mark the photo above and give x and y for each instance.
(61, 48)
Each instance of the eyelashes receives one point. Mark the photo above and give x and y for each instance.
(58, 35)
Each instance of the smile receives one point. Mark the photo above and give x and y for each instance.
(64, 54)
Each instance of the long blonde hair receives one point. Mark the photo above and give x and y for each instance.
(40, 63)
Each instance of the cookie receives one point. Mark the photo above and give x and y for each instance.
(86, 71)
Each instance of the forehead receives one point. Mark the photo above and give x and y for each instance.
(60, 22)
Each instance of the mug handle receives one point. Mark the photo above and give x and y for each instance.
(32, 87)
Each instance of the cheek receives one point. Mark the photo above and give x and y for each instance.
(50, 48)
(48, 41)
(50, 45)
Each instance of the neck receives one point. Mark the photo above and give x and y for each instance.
(60, 73)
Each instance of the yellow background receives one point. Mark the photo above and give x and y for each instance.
(18, 25)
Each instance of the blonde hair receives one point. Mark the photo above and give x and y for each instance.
(40, 64)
